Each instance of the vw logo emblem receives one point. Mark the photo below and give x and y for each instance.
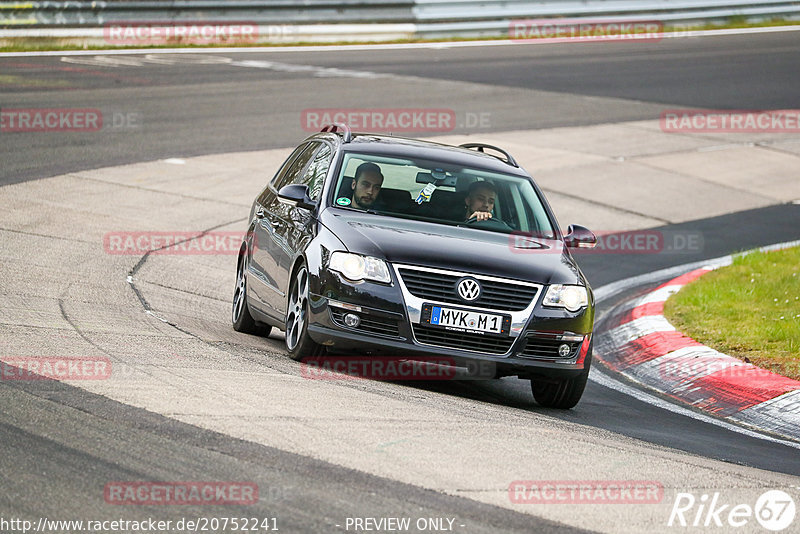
(469, 289)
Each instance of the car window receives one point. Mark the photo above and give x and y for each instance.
(263, 197)
(314, 177)
(517, 206)
(294, 172)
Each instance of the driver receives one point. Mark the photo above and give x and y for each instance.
(366, 186)
(479, 201)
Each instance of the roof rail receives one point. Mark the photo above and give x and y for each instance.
(339, 127)
(481, 146)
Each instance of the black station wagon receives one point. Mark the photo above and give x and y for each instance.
(387, 246)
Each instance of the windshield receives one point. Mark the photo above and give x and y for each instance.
(441, 194)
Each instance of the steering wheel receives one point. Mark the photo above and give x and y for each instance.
(488, 224)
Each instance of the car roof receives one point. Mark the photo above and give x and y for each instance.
(367, 143)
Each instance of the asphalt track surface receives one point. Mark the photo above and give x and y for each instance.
(185, 109)
(191, 109)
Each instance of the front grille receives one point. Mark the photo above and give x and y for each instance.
(462, 340)
(546, 348)
(441, 287)
(369, 323)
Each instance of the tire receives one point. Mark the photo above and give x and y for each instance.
(562, 394)
(298, 343)
(240, 312)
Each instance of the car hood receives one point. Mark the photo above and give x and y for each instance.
(396, 240)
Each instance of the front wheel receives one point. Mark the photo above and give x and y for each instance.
(563, 393)
(298, 343)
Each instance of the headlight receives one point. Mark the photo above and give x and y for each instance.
(572, 298)
(356, 267)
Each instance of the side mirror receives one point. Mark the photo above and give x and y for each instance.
(296, 195)
(579, 237)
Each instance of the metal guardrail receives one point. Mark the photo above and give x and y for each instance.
(49, 13)
(359, 20)
(459, 10)
(447, 18)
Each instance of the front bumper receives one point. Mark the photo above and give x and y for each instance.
(390, 326)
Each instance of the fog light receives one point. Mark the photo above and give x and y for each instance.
(564, 350)
(352, 320)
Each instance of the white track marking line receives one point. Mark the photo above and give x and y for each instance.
(321, 72)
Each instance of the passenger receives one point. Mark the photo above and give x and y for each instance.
(479, 201)
(366, 186)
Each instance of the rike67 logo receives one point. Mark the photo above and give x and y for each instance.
(774, 510)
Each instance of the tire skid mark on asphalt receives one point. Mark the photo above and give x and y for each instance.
(596, 202)
(138, 368)
(477, 412)
(131, 278)
(148, 310)
(36, 234)
(712, 182)
(188, 292)
(158, 191)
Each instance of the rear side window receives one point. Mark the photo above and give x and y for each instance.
(266, 194)
(314, 177)
(294, 172)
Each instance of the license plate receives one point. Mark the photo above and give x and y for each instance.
(465, 320)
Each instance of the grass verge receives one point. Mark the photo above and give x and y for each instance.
(749, 310)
